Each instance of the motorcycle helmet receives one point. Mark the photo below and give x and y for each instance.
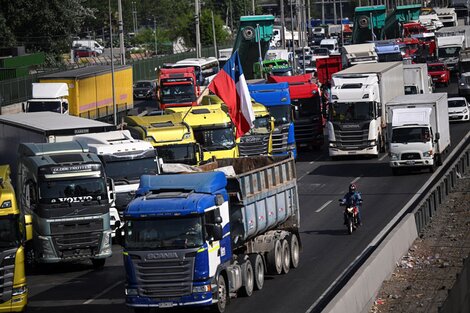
(352, 188)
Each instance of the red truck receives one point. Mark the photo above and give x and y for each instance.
(327, 67)
(307, 109)
(177, 87)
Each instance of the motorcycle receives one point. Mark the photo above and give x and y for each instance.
(351, 213)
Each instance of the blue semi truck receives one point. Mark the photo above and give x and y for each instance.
(276, 98)
(197, 239)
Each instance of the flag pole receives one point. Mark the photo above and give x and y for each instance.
(259, 51)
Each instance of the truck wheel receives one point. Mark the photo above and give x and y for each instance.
(221, 304)
(294, 251)
(258, 269)
(98, 263)
(285, 256)
(274, 259)
(248, 279)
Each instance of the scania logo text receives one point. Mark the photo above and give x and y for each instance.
(164, 255)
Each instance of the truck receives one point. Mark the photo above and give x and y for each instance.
(89, 94)
(356, 124)
(276, 98)
(213, 130)
(450, 41)
(177, 87)
(307, 109)
(326, 67)
(416, 79)
(225, 231)
(447, 16)
(368, 23)
(360, 53)
(124, 159)
(14, 233)
(169, 134)
(258, 141)
(388, 51)
(464, 61)
(418, 131)
(63, 187)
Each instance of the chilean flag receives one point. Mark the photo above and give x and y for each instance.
(230, 86)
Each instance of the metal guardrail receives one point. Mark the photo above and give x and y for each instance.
(20, 89)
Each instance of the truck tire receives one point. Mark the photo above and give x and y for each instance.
(248, 279)
(274, 259)
(285, 256)
(98, 263)
(221, 304)
(258, 270)
(294, 251)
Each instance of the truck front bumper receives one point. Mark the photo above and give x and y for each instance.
(333, 150)
(412, 163)
(199, 299)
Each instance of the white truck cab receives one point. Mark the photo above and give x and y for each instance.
(51, 97)
(331, 44)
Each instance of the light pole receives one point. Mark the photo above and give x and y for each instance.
(121, 35)
(112, 63)
(213, 34)
(198, 33)
(155, 34)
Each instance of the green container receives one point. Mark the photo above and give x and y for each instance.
(254, 31)
(366, 20)
(23, 60)
(397, 17)
(9, 73)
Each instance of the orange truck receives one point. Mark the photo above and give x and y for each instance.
(177, 87)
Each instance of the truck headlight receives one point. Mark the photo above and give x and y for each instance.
(200, 289)
(372, 142)
(393, 156)
(19, 291)
(427, 154)
(187, 136)
(6, 204)
(332, 144)
(150, 139)
(291, 146)
(366, 96)
(131, 292)
(443, 75)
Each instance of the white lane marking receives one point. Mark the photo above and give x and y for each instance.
(311, 162)
(309, 172)
(324, 206)
(104, 292)
(356, 179)
(383, 157)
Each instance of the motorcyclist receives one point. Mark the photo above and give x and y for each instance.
(353, 198)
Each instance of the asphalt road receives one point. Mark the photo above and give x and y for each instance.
(327, 248)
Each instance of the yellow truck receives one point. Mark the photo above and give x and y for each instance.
(213, 130)
(258, 141)
(85, 92)
(169, 134)
(12, 236)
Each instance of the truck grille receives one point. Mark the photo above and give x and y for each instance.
(410, 156)
(280, 136)
(352, 139)
(77, 239)
(307, 130)
(253, 145)
(164, 278)
(7, 269)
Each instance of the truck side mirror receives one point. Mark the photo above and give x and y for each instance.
(110, 183)
(23, 106)
(28, 225)
(214, 232)
(438, 136)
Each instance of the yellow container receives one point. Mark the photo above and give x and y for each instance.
(90, 90)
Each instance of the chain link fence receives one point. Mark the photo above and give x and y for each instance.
(20, 89)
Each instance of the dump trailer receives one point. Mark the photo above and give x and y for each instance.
(196, 239)
(90, 92)
(397, 17)
(418, 131)
(15, 233)
(326, 67)
(254, 34)
(368, 23)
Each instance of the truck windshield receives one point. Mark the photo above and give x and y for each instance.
(261, 125)
(352, 112)
(281, 113)
(410, 134)
(307, 107)
(178, 93)
(390, 57)
(411, 90)
(212, 139)
(448, 52)
(9, 232)
(43, 106)
(184, 153)
(124, 170)
(165, 233)
(73, 190)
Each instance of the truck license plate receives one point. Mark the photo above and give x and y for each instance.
(165, 305)
(351, 152)
(410, 162)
